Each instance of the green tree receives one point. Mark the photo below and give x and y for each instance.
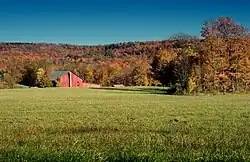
(162, 66)
(29, 75)
(1, 75)
(102, 76)
(42, 79)
(35, 75)
(89, 74)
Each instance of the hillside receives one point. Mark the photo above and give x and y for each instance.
(76, 53)
(218, 63)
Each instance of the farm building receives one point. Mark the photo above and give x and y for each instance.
(66, 79)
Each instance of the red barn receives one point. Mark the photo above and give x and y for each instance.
(66, 79)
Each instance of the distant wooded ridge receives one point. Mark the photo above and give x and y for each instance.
(218, 63)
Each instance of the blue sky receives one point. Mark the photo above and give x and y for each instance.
(92, 22)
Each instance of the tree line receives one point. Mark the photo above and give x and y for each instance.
(218, 62)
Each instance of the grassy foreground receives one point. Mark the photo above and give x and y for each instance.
(122, 125)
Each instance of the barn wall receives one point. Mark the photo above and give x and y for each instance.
(75, 81)
(64, 81)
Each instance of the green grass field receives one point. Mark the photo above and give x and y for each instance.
(122, 125)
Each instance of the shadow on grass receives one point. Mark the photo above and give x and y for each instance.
(42, 155)
(107, 130)
(140, 90)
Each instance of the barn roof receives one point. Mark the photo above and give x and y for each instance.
(56, 74)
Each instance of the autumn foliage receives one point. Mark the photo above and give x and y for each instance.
(219, 62)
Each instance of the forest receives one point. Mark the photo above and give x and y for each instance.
(218, 61)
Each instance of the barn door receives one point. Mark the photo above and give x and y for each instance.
(70, 80)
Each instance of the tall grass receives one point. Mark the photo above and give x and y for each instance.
(122, 125)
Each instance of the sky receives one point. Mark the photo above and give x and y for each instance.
(94, 22)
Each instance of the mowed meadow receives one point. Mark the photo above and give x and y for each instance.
(130, 124)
